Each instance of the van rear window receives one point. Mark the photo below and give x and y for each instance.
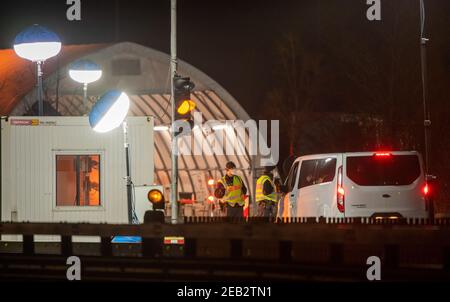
(392, 170)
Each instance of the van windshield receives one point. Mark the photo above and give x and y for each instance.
(391, 170)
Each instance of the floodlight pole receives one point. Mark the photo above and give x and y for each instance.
(173, 71)
(128, 176)
(85, 102)
(40, 91)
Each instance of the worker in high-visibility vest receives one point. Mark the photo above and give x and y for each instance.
(279, 197)
(231, 189)
(266, 194)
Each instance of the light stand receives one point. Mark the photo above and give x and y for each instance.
(39, 88)
(128, 173)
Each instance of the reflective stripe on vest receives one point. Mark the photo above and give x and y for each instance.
(259, 189)
(233, 194)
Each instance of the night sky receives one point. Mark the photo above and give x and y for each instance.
(232, 41)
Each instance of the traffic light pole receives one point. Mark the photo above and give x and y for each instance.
(173, 71)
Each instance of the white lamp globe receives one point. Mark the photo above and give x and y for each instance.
(85, 71)
(110, 111)
(37, 44)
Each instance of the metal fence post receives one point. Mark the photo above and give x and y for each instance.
(66, 245)
(28, 245)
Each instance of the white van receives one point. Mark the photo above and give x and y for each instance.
(360, 184)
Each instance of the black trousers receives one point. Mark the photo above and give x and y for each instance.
(267, 208)
(235, 212)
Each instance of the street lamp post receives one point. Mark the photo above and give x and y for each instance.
(423, 62)
(85, 72)
(37, 44)
(107, 114)
(426, 110)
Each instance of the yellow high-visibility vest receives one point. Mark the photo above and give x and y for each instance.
(233, 194)
(259, 189)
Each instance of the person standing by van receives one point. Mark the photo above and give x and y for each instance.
(266, 194)
(231, 189)
(278, 189)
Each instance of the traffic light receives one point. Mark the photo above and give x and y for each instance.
(184, 105)
(183, 102)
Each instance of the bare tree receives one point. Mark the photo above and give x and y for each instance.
(385, 69)
(293, 97)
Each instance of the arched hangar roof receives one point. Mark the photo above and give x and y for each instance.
(144, 74)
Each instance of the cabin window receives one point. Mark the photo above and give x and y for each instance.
(78, 180)
(307, 173)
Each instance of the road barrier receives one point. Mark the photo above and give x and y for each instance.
(409, 249)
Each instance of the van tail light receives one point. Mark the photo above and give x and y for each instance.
(425, 190)
(382, 154)
(340, 195)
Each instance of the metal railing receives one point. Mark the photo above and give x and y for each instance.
(413, 249)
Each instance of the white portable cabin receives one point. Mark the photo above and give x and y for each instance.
(57, 169)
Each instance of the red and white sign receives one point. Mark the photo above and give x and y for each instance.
(23, 122)
(174, 240)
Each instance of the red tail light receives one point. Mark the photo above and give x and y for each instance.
(426, 190)
(340, 195)
(382, 154)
